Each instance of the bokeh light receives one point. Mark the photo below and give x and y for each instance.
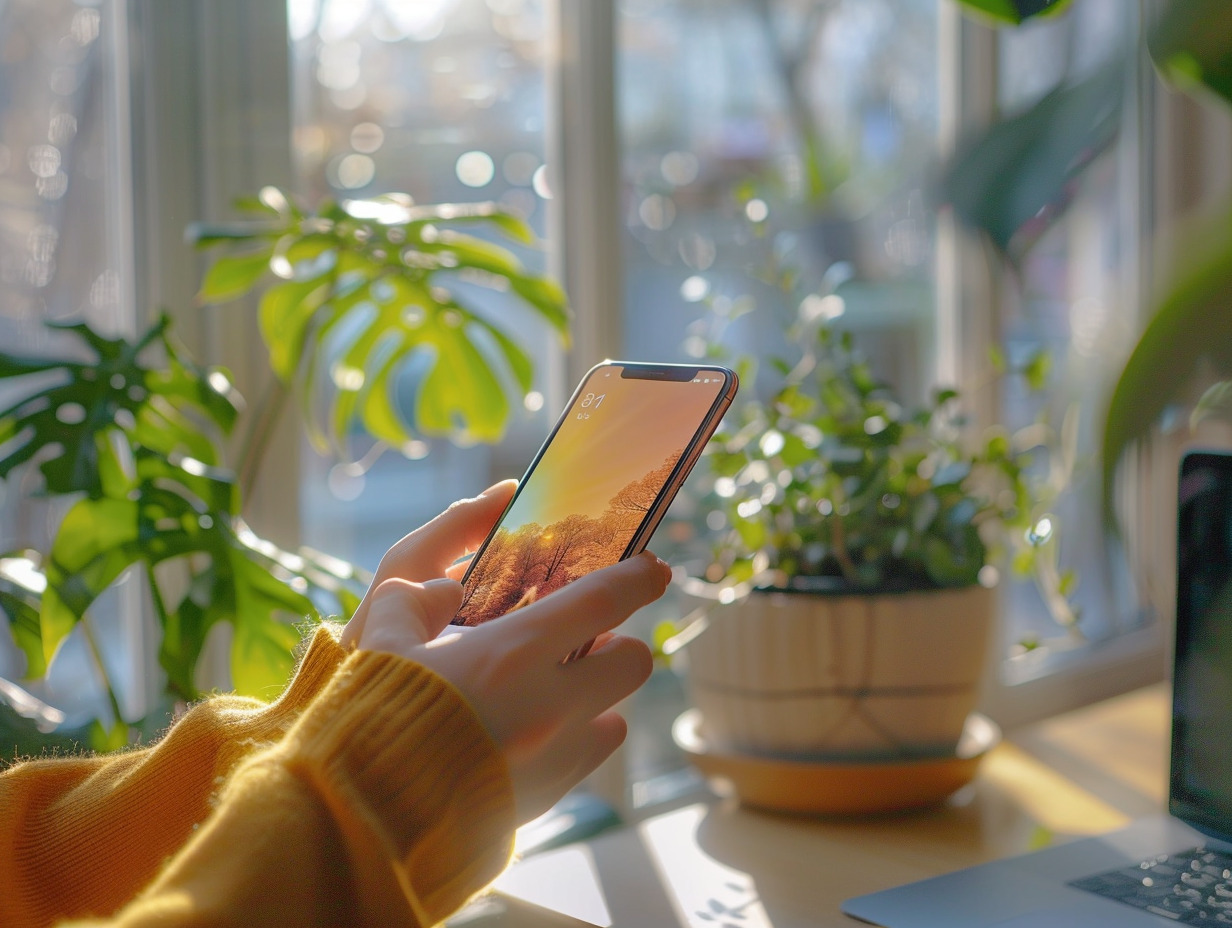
(475, 168)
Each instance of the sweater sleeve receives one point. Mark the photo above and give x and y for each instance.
(382, 800)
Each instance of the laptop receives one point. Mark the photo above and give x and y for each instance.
(1173, 869)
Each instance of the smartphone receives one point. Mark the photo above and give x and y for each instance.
(600, 484)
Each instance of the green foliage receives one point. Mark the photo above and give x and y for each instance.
(1192, 45)
(133, 437)
(1014, 180)
(359, 293)
(132, 434)
(103, 392)
(1192, 325)
(1013, 12)
(832, 482)
(1215, 403)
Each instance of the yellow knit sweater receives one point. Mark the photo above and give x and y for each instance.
(367, 794)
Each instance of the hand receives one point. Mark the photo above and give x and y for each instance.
(550, 719)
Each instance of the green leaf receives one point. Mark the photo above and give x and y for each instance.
(285, 314)
(94, 545)
(515, 227)
(419, 260)
(262, 648)
(1013, 12)
(1037, 369)
(1190, 45)
(118, 394)
(1191, 325)
(231, 277)
(1016, 177)
(547, 297)
(21, 603)
(519, 361)
(1215, 403)
(379, 414)
(107, 738)
(460, 392)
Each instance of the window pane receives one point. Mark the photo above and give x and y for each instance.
(1076, 299)
(64, 257)
(443, 100)
(760, 137)
(797, 133)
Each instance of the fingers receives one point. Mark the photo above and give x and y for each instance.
(596, 603)
(403, 615)
(543, 780)
(607, 675)
(427, 552)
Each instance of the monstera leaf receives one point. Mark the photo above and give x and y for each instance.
(143, 389)
(21, 592)
(133, 433)
(359, 294)
(173, 511)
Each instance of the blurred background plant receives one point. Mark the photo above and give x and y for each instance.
(132, 436)
(1015, 179)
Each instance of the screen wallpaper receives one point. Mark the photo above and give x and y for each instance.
(584, 499)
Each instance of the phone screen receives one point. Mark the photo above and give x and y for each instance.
(595, 482)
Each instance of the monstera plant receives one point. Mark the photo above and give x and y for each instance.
(132, 434)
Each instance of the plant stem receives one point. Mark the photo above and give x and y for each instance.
(839, 539)
(97, 656)
(256, 439)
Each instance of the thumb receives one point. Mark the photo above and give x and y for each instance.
(429, 550)
(403, 615)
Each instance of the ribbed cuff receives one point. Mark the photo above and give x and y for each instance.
(405, 741)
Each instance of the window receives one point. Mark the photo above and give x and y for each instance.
(444, 100)
(805, 134)
(747, 134)
(65, 198)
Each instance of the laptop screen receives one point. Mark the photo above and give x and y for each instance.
(1201, 787)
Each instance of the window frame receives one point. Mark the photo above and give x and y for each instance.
(969, 307)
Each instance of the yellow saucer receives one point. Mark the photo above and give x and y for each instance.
(839, 787)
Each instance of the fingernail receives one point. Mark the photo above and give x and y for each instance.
(492, 489)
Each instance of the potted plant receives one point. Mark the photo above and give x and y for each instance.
(853, 574)
(130, 436)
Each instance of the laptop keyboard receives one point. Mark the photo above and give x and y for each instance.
(1191, 888)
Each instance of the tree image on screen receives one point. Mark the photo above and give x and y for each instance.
(525, 563)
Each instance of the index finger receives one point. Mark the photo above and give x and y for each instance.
(576, 614)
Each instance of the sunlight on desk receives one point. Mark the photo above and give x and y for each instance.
(564, 881)
(715, 863)
(703, 891)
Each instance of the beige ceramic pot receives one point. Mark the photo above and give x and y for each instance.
(841, 677)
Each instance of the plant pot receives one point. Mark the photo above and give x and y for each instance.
(841, 677)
